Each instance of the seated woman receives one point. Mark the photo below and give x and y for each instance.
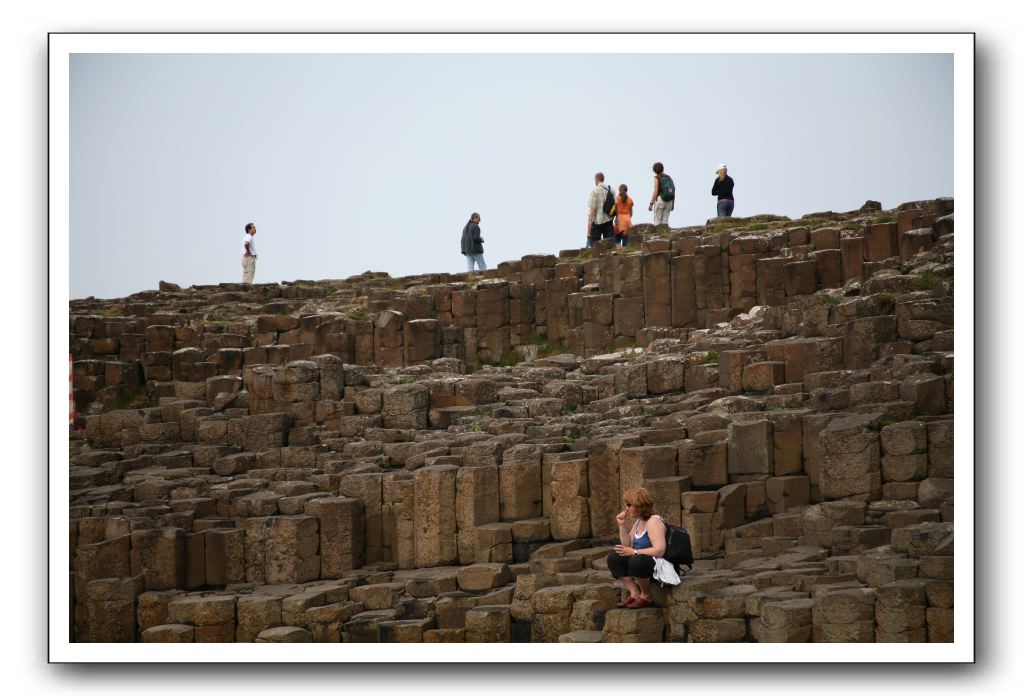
(632, 561)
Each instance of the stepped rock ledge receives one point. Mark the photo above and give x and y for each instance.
(440, 458)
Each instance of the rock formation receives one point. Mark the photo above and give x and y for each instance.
(440, 458)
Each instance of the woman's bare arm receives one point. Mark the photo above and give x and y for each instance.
(655, 528)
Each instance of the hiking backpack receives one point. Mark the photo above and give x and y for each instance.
(667, 188)
(609, 204)
(678, 550)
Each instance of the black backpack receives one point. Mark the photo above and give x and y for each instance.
(678, 550)
(667, 188)
(609, 204)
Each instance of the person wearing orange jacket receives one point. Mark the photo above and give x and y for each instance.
(624, 219)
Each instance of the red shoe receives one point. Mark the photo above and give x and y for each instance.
(639, 603)
(627, 603)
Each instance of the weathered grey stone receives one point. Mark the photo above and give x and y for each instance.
(406, 406)
(818, 521)
(909, 437)
(729, 602)
(488, 624)
(342, 534)
(285, 634)
(751, 448)
(436, 528)
(483, 576)
(851, 465)
(169, 633)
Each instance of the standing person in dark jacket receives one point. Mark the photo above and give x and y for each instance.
(472, 243)
(722, 188)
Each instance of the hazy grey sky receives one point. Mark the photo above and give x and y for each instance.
(349, 163)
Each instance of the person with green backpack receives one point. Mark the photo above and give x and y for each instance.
(663, 200)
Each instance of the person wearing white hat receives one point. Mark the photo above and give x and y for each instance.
(722, 188)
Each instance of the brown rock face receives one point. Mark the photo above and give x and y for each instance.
(443, 459)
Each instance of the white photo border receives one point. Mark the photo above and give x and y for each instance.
(63, 45)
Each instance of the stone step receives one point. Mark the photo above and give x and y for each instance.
(581, 637)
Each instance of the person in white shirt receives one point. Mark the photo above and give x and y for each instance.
(249, 254)
(598, 224)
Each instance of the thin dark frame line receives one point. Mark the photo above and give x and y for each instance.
(49, 483)
(973, 646)
(517, 33)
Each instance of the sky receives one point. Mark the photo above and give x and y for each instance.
(356, 162)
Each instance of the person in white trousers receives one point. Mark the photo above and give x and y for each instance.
(660, 203)
(472, 244)
(249, 254)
